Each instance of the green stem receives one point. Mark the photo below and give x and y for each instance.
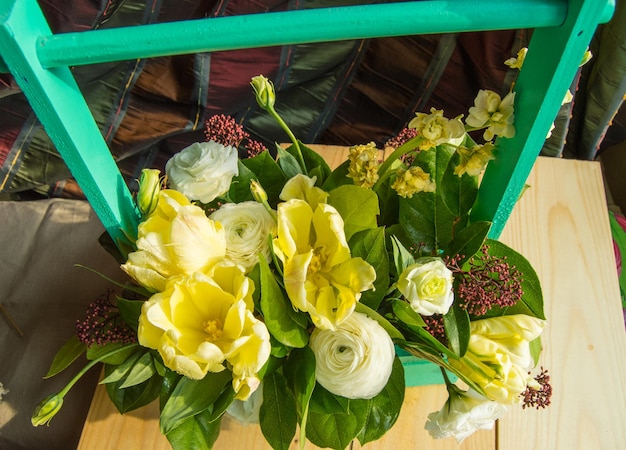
(383, 170)
(292, 137)
(92, 363)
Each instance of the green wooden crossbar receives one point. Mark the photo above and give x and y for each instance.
(39, 62)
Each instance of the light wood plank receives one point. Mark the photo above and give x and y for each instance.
(561, 226)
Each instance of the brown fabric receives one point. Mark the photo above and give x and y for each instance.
(45, 294)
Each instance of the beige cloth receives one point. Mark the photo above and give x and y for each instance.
(45, 294)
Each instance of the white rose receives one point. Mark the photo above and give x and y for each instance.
(248, 226)
(203, 171)
(427, 286)
(355, 360)
(463, 414)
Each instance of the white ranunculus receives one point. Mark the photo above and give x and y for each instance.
(248, 226)
(355, 360)
(463, 414)
(427, 286)
(203, 171)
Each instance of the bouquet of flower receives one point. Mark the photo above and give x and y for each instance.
(277, 290)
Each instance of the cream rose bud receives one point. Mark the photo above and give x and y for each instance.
(427, 286)
(248, 227)
(463, 414)
(355, 360)
(203, 171)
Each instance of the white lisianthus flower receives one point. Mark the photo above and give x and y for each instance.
(427, 286)
(248, 226)
(355, 360)
(203, 171)
(463, 414)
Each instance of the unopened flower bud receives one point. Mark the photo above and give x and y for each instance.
(258, 192)
(149, 188)
(264, 91)
(46, 410)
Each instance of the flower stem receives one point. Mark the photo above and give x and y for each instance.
(383, 170)
(292, 137)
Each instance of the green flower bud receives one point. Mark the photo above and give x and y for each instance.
(149, 188)
(264, 91)
(46, 410)
(258, 192)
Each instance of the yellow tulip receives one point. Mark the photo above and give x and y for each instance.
(176, 239)
(320, 275)
(498, 357)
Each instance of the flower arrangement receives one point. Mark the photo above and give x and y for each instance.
(279, 291)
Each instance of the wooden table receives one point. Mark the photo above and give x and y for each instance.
(561, 225)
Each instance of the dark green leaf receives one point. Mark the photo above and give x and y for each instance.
(191, 397)
(372, 314)
(406, 314)
(240, 184)
(402, 258)
(468, 241)
(130, 310)
(331, 423)
(457, 325)
(195, 433)
(278, 415)
(458, 193)
(119, 352)
(532, 300)
(357, 206)
(66, 355)
(288, 163)
(277, 311)
(338, 177)
(222, 403)
(381, 412)
(299, 370)
(315, 164)
(388, 201)
(268, 173)
(141, 371)
(370, 245)
(134, 397)
(119, 372)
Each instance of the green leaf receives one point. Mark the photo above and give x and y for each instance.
(67, 354)
(299, 369)
(458, 193)
(130, 310)
(532, 300)
(97, 351)
(119, 371)
(381, 412)
(278, 415)
(141, 371)
(315, 164)
(388, 200)
(369, 312)
(195, 433)
(331, 422)
(268, 173)
(357, 206)
(457, 326)
(535, 349)
(277, 311)
(370, 245)
(191, 397)
(425, 217)
(134, 397)
(222, 403)
(468, 241)
(338, 177)
(240, 184)
(406, 314)
(288, 163)
(401, 256)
